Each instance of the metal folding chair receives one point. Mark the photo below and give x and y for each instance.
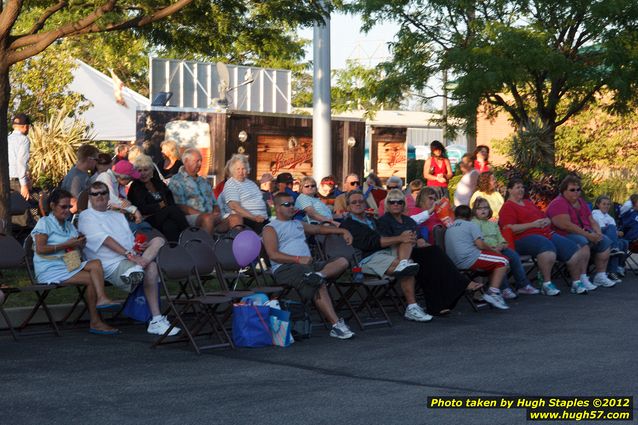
(196, 315)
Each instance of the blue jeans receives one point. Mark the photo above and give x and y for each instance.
(537, 244)
(621, 244)
(520, 277)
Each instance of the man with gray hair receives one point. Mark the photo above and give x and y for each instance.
(194, 195)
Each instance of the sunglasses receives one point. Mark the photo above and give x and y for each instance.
(287, 204)
(103, 193)
(483, 208)
(574, 189)
(397, 202)
(310, 186)
(392, 187)
(357, 202)
(355, 183)
(65, 207)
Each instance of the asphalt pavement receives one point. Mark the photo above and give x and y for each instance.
(570, 345)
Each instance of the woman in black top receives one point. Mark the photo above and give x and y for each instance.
(155, 201)
(440, 280)
(171, 162)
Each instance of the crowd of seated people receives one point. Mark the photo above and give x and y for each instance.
(392, 230)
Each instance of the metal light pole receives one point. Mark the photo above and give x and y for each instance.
(321, 143)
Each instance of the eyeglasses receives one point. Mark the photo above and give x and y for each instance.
(65, 206)
(483, 208)
(357, 202)
(91, 158)
(310, 186)
(102, 193)
(357, 183)
(143, 170)
(392, 187)
(397, 202)
(287, 204)
(577, 189)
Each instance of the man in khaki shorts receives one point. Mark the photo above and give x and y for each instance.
(110, 240)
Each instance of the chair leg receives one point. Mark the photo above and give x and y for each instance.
(9, 325)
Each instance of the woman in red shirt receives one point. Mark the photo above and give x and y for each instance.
(437, 169)
(481, 157)
(533, 236)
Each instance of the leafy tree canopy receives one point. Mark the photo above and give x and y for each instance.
(540, 61)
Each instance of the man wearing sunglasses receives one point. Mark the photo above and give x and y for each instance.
(292, 263)
(379, 254)
(110, 240)
(351, 182)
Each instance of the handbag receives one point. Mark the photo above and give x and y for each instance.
(250, 325)
(136, 305)
(300, 322)
(72, 259)
(280, 327)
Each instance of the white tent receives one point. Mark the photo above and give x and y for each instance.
(111, 121)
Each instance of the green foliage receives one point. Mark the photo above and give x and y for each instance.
(39, 85)
(53, 147)
(526, 147)
(539, 61)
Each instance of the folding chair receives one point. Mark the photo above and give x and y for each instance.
(197, 315)
(356, 296)
(14, 257)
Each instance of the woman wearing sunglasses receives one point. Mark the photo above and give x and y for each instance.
(307, 201)
(56, 240)
(572, 218)
(440, 280)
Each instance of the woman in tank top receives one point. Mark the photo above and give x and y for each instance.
(437, 169)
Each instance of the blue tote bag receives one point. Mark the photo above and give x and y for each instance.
(136, 306)
(280, 327)
(250, 325)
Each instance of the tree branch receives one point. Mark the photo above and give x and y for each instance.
(46, 15)
(577, 106)
(9, 16)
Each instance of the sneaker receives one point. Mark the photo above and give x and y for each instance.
(588, 285)
(495, 299)
(549, 289)
(508, 294)
(603, 280)
(160, 326)
(313, 279)
(133, 276)
(417, 314)
(341, 330)
(405, 268)
(578, 288)
(614, 277)
(616, 251)
(528, 290)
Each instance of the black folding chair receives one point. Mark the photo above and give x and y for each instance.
(196, 315)
(356, 296)
(14, 257)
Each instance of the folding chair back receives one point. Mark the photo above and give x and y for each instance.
(195, 233)
(438, 235)
(202, 254)
(13, 254)
(334, 246)
(175, 262)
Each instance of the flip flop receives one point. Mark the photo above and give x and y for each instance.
(102, 332)
(107, 306)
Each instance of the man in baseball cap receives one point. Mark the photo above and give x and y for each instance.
(284, 184)
(18, 147)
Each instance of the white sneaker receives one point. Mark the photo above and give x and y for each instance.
(528, 290)
(495, 299)
(341, 330)
(588, 285)
(133, 276)
(578, 288)
(603, 280)
(160, 326)
(416, 313)
(550, 289)
(405, 268)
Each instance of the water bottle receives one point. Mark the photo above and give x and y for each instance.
(357, 275)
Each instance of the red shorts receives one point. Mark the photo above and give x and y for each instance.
(489, 260)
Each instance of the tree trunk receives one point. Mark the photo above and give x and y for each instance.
(5, 92)
(548, 142)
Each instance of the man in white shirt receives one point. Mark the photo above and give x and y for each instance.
(110, 240)
(18, 147)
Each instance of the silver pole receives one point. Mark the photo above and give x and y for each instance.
(321, 146)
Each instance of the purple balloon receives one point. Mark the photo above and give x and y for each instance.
(246, 247)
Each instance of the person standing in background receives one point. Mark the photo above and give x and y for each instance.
(19, 146)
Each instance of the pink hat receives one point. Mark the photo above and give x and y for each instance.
(125, 168)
